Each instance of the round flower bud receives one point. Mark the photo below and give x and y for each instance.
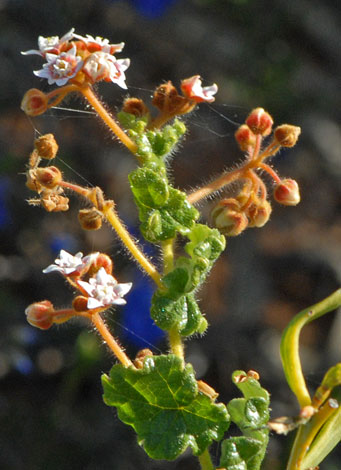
(260, 122)
(79, 303)
(259, 214)
(46, 146)
(34, 102)
(49, 177)
(245, 137)
(287, 135)
(228, 221)
(90, 219)
(39, 314)
(287, 192)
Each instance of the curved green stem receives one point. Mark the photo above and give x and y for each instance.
(290, 345)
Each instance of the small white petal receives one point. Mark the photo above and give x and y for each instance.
(94, 303)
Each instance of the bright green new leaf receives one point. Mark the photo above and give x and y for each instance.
(182, 313)
(162, 403)
(240, 453)
(149, 187)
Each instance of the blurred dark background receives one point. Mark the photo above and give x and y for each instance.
(281, 55)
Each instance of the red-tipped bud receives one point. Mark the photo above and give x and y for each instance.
(260, 122)
(46, 146)
(287, 192)
(259, 214)
(90, 219)
(287, 135)
(39, 314)
(80, 303)
(34, 102)
(245, 137)
(49, 177)
(229, 221)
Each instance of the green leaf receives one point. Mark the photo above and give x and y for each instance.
(176, 215)
(249, 414)
(249, 386)
(162, 403)
(205, 242)
(240, 453)
(182, 313)
(150, 188)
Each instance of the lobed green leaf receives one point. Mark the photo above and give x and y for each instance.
(162, 403)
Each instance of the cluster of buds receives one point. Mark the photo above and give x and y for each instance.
(46, 180)
(92, 276)
(250, 208)
(74, 60)
(170, 103)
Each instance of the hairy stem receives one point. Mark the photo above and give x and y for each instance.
(89, 94)
(109, 339)
(112, 218)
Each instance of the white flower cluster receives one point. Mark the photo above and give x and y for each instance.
(73, 53)
(102, 289)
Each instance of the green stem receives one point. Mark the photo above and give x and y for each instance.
(290, 345)
(205, 461)
(307, 432)
(175, 340)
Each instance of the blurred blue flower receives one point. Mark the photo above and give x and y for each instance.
(5, 217)
(152, 8)
(63, 241)
(139, 328)
(22, 364)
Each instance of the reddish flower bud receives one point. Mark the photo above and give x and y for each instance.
(259, 214)
(287, 192)
(39, 314)
(34, 102)
(245, 137)
(90, 219)
(135, 106)
(101, 261)
(260, 122)
(287, 135)
(228, 221)
(79, 303)
(49, 177)
(46, 146)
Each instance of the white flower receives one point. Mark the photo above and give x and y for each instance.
(50, 44)
(67, 264)
(104, 290)
(60, 68)
(192, 89)
(99, 44)
(103, 66)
